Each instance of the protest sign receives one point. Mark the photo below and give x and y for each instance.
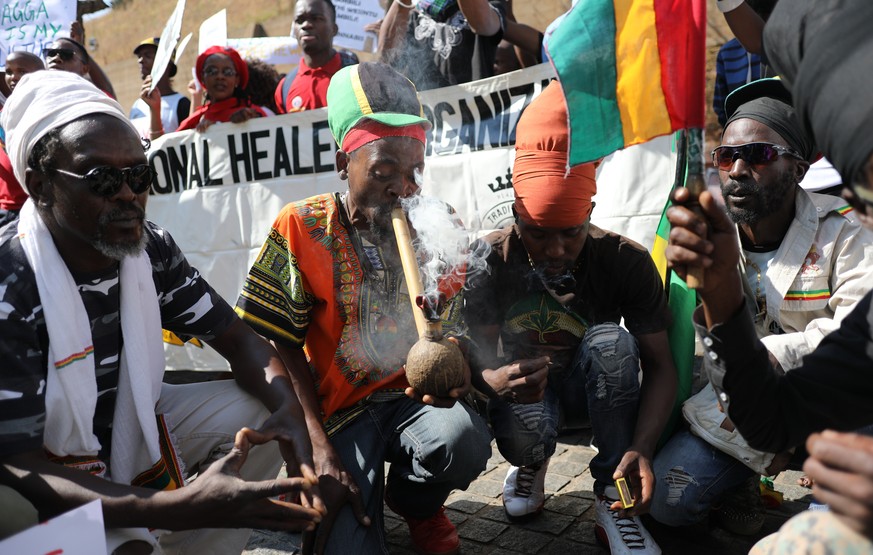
(273, 50)
(183, 44)
(351, 17)
(169, 38)
(213, 31)
(218, 192)
(30, 26)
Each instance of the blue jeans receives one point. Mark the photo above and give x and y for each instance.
(602, 383)
(432, 451)
(690, 477)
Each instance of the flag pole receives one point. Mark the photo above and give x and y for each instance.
(695, 185)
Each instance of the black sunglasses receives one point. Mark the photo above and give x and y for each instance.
(62, 53)
(756, 154)
(106, 181)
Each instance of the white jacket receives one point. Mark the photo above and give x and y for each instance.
(822, 268)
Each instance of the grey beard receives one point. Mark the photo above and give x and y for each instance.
(120, 251)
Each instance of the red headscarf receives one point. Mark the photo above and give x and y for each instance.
(369, 130)
(546, 195)
(222, 110)
(241, 68)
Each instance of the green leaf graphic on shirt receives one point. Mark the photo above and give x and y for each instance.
(544, 321)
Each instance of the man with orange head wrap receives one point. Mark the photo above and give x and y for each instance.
(557, 290)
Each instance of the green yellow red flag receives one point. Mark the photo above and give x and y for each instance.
(631, 70)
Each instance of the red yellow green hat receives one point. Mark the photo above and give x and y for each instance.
(371, 91)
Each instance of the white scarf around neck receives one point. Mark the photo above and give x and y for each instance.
(71, 388)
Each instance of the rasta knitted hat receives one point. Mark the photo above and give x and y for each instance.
(371, 91)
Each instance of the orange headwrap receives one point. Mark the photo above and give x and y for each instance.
(545, 194)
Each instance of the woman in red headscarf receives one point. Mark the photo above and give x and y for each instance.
(224, 75)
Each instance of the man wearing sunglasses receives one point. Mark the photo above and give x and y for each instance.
(805, 262)
(69, 54)
(87, 285)
(823, 51)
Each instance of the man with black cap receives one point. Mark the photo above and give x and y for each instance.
(328, 290)
(824, 53)
(805, 261)
(161, 111)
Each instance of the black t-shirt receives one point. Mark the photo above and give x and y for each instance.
(443, 50)
(189, 307)
(615, 278)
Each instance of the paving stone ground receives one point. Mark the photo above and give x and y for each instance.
(567, 523)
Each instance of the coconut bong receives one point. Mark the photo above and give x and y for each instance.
(434, 365)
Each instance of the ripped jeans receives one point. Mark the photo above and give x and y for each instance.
(690, 477)
(602, 383)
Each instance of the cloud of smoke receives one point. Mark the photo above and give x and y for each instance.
(443, 244)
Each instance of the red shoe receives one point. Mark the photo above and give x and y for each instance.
(432, 536)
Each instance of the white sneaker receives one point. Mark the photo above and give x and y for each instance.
(524, 491)
(623, 536)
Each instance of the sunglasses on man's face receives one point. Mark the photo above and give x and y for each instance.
(756, 154)
(62, 53)
(107, 181)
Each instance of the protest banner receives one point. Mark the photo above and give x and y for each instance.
(218, 192)
(30, 26)
(351, 18)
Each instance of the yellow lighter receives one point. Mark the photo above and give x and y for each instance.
(627, 500)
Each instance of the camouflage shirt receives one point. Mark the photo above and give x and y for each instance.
(188, 305)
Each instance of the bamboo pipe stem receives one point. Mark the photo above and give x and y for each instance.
(411, 272)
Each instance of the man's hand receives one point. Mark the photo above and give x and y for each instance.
(523, 381)
(337, 488)
(841, 467)
(244, 114)
(296, 450)
(454, 394)
(636, 468)
(707, 240)
(77, 32)
(153, 99)
(219, 498)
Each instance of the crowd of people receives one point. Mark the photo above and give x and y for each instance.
(569, 323)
